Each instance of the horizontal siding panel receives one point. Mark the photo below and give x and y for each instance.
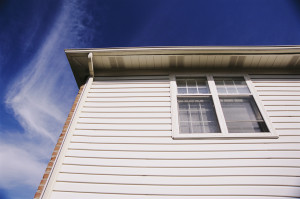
(129, 133)
(183, 163)
(287, 125)
(279, 89)
(131, 78)
(285, 119)
(285, 83)
(123, 133)
(179, 190)
(185, 155)
(129, 104)
(124, 85)
(76, 195)
(133, 82)
(129, 90)
(188, 147)
(281, 98)
(167, 140)
(288, 131)
(128, 110)
(123, 115)
(178, 181)
(284, 113)
(280, 103)
(129, 99)
(282, 108)
(141, 94)
(181, 172)
(161, 119)
(118, 126)
(278, 93)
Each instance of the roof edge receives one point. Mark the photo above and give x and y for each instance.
(78, 58)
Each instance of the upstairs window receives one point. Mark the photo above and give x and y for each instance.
(195, 106)
(216, 106)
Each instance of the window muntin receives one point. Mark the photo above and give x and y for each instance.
(195, 106)
(192, 86)
(197, 115)
(230, 94)
(231, 85)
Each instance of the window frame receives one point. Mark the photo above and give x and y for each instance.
(219, 111)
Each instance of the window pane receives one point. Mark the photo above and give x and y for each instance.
(202, 86)
(231, 85)
(242, 115)
(208, 114)
(181, 87)
(193, 106)
(184, 127)
(220, 85)
(192, 86)
(241, 86)
(197, 115)
(247, 127)
(197, 127)
(192, 90)
(183, 106)
(211, 127)
(184, 115)
(197, 85)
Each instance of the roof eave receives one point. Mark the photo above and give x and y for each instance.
(117, 58)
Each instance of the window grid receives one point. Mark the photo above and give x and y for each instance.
(194, 85)
(201, 124)
(215, 95)
(198, 110)
(195, 114)
(232, 85)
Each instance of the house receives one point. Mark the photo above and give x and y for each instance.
(180, 122)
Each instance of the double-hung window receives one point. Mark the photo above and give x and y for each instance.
(216, 106)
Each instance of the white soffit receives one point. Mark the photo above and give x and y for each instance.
(171, 58)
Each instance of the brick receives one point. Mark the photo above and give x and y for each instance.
(57, 147)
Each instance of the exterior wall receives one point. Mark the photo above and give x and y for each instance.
(280, 95)
(121, 147)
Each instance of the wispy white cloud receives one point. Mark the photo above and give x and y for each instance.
(19, 166)
(40, 97)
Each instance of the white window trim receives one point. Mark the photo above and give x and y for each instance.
(219, 111)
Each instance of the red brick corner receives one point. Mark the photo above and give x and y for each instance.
(57, 147)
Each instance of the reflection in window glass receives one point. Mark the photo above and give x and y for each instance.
(197, 85)
(242, 115)
(197, 115)
(232, 85)
(238, 111)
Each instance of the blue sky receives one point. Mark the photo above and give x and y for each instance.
(36, 81)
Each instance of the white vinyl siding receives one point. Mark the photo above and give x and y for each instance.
(280, 95)
(122, 147)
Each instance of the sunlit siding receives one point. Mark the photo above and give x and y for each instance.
(122, 147)
(280, 95)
